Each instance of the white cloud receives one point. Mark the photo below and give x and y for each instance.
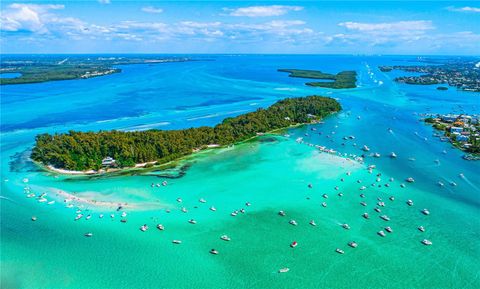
(151, 9)
(464, 9)
(389, 27)
(27, 17)
(104, 1)
(262, 11)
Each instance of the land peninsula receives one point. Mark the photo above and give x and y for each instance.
(53, 68)
(344, 79)
(86, 151)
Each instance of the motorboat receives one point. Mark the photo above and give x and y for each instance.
(362, 195)
(293, 222)
(34, 218)
(346, 226)
(392, 198)
(425, 212)
(281, 213)
(377, 210)
(179, 200)
(144, 228)
(212, 208)
(78, 217)
(352, 244)
(363, 204)
(160, 227)
(388, 229)
(225, 238)
(393, 155)
(283, 270)
(376, 155)
(426, 242)
(365, 215)
(183, 209)
(385, 217)
(410, 202)
(294, 244)
(88, 234)
(410, 180)
(325, 196)
(124, 214)
(339, 251)
(100, 216)
(88, 217)
(176, 242)
(421, 229)
(324, 204)
(214, 252)
(248, 204)
(312, 222)
(202, 200)
(366, 148)
(192, 221)
(381, 233)
(234, 213)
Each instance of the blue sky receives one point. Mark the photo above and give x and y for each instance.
(318, 27)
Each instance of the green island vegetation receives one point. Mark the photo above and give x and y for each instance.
(461, 130)
(53, 68)
(344, 79)
(86, 150)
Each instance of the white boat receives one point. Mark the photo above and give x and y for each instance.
(385, 217)
(381, 204)
(363, 204)
(366, 148)
(183, 209)
(176, 242)
(388, 229)
(294, 244)
(164, 183)
(88, 217)
(393, 155)
(124, 214)
(88, 234)
(377, 210)
(225, 238)
(352, 244)
(202, 200)
(160, 227)
(426, 242)
(324, 204)
(340, 194)
(212, 208)
(51, 202)
(441, 184)
(410, 202)
(312, 222)
(453, 184)
(78, 217)
(381, 233)
(112, 216)
(179, 200)
(234, 213)
(376, 155)
(410, 180)
(339, 251)
(362, 195)
(283, 270)
(192, 221)
(293, 222)
(100, 216)
(392, 198)
(281, 213)
(346, 226)
(144, 228)
(365, 215)
(425, 212)
(421, 229)
(325, 196)
(34, 218)
(214, 252)
(248, 204)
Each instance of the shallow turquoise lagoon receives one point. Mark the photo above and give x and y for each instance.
(272, 173)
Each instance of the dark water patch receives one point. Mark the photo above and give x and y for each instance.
(21, 162)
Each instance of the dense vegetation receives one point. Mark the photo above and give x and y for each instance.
(344, 79)
(85, 150)
(35, 69)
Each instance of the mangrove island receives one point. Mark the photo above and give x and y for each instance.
(81, 151)
(344, 79)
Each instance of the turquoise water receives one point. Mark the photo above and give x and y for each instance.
(272, 173)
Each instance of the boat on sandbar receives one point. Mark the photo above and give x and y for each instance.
(192, 221)
(225, 238)
(88, 234)
(388, 229)
(293, 222)
(425, 212)
(214, 252)
(283, 270)
(312, 222)
(352, 244)
(421, 229)
(426, 242)
(294, 244)
(339, 251)
(160, 227)
(381, 233)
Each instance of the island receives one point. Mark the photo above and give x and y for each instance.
(461, 73)
(461, 130)
(53, 68)
(92, 151)
(344, 79)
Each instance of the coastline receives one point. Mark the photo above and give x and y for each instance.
(141, 166)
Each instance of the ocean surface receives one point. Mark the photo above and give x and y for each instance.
(272, 173)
